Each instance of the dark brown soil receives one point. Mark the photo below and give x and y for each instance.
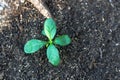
(94, 54)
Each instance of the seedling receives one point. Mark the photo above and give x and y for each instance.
(34, 45)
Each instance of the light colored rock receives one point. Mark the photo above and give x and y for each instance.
(1, 76)
(39, 4)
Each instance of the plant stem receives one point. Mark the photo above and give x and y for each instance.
(50, 41)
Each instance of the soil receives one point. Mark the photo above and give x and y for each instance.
(94, 53)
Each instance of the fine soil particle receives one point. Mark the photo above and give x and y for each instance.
(94, 53)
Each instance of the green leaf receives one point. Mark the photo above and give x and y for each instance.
(50, 28)
(62, 40)
(53, 55)
(33, 45)
(43, 33)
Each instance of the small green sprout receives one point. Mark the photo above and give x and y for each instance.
(34, 45)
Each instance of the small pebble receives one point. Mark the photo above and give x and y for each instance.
(117, 44)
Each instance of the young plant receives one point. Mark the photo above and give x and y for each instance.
(34, 45)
